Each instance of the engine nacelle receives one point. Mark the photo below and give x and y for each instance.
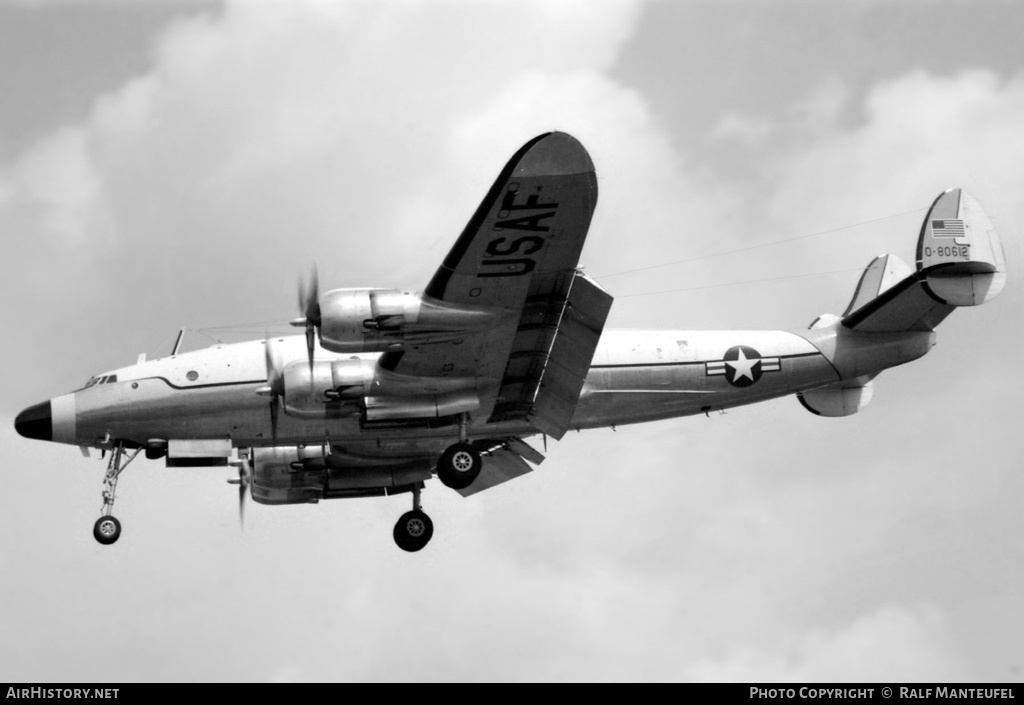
(421, 406)
(376, 320)
(298, 475)
(350, 387)
(306, 394)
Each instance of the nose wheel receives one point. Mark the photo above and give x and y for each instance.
(414, 528)
(107, 528)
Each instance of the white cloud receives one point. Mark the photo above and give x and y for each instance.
(890, 645)
(363, 137)
(921, 134)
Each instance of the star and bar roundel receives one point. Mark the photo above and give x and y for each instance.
(742, 366)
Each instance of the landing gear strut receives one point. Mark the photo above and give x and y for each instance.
(460, 465)
(414, 529)
(107, 528)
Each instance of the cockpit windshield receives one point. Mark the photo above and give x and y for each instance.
(103, 379)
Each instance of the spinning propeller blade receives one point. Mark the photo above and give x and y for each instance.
(243, 485)
(309, 305)
(275, 382)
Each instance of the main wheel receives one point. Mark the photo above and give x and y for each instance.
(459, 466)
(107, 530)
(413, 531)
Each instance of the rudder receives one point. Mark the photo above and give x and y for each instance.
(960, 262)
(959, 252)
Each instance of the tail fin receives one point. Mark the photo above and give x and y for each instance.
(959, 263)
(884, 272)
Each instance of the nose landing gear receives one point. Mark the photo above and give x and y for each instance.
(414, 528)
(107, 528)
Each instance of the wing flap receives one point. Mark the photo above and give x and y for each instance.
(551, 357)
(500, 466)
(576, 338)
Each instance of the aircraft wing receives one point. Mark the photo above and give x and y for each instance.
(518, 258)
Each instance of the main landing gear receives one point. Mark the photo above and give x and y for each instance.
(458, 468)
(414, 528)
(107, 528)
(460, 465)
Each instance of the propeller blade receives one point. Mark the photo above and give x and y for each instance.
(243, 482)
(275, 381)
(275, 370)
(309, 305)
(241, 505)
(243, 486)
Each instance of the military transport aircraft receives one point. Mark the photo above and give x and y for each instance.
(507, 341)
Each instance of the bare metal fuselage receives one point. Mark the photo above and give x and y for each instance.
(636, 376)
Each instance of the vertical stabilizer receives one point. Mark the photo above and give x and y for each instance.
(959, 263)
(879, 276)
(959, 252)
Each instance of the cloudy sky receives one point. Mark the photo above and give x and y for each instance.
(182, 163)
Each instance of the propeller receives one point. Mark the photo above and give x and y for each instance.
(243, 484)
(274, 387)
(309, 305)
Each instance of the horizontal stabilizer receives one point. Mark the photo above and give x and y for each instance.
(959, 263)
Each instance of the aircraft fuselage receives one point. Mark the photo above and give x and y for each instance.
(636, 376)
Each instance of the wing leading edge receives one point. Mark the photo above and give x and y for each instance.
(517, 258)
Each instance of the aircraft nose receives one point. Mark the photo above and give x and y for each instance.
(36, 422)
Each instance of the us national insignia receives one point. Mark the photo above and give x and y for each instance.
(742, 366)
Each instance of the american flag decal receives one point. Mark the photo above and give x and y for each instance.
(948, 228)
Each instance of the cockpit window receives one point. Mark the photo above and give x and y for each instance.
(100, 379)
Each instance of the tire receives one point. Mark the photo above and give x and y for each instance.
(413, 531)
(106, 530)
(459, 466)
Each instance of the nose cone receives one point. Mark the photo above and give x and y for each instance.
(36, 422)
